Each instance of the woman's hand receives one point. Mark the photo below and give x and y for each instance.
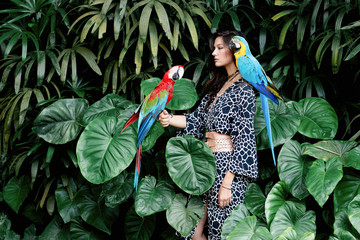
(224, 196)
(164, 118)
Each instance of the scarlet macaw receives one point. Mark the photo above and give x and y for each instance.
(251, 70)
(149, 110)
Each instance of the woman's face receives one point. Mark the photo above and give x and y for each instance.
(222, 54)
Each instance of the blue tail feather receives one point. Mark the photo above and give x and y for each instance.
(265, 107)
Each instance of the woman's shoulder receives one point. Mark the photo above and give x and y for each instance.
(244, 88)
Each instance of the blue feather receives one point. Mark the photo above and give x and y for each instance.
(265, 107)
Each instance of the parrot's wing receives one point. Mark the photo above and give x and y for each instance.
(251, 70)
(152, 107)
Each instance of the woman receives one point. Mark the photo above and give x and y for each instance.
(227, 113)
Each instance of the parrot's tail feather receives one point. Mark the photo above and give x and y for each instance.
(137, 166)
(265, 107)
(132, 119)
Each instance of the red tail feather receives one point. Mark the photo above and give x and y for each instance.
(132, 119)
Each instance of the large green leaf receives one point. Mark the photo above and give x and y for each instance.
(255, 200)
(184, 213)
(354, 212)
(323, 178)
(110, 105)
(328, 149)
(59, 123)
(184, 94)
(81, 231)
(284, 124)
(119, 189)
(94, 212)
(153, 197)
(343, 227)
(293, 167)
(5, 229)
(246, 229)
(236, 215)
(289, 215)
(155, 132)
(275, 199)
(346, 190)
(191, 164)
(139, 228)
(56, 230)
(352, 158)
(318, 118)
(15, 192)
(103, 151)
(67, 207)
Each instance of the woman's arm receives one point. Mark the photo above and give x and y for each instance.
(166, 119)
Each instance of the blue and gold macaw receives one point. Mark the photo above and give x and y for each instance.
(251, 70)
(149, 110)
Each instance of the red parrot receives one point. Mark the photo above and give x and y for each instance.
(149, 110)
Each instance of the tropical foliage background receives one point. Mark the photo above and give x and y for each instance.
(71, 73)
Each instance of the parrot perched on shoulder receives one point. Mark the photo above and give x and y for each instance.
(149, 110)
(251, 70)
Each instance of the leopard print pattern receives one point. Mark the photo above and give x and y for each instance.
(232, 114)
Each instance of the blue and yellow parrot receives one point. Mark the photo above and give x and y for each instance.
(251, 70)
(149, 110)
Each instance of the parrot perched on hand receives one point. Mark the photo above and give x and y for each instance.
(251, 70)
(149, 110)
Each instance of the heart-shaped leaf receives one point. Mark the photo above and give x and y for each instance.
(103, 151)
(56, 230)
(352, 158)
(284, 124)
(111, 105)
(191, 164)
(255, 200)
(139, 228)
(308, 236)
(328, 149)
(275, 199)
(236, 215)
(288, 234)
(94, 212)
(323, 178)
(67, 208)
(246, 229)
(343, 226)
(346, 190)
(293, 167)
(184, 213)
(81, 231)
(318, 118)
(59, 123)
(184, 94)
(15, 192)
(155, 132)
(152, 197)
(354, 212)
(289, 215)
(119, 189)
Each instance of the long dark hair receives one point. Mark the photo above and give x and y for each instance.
(218, 74)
